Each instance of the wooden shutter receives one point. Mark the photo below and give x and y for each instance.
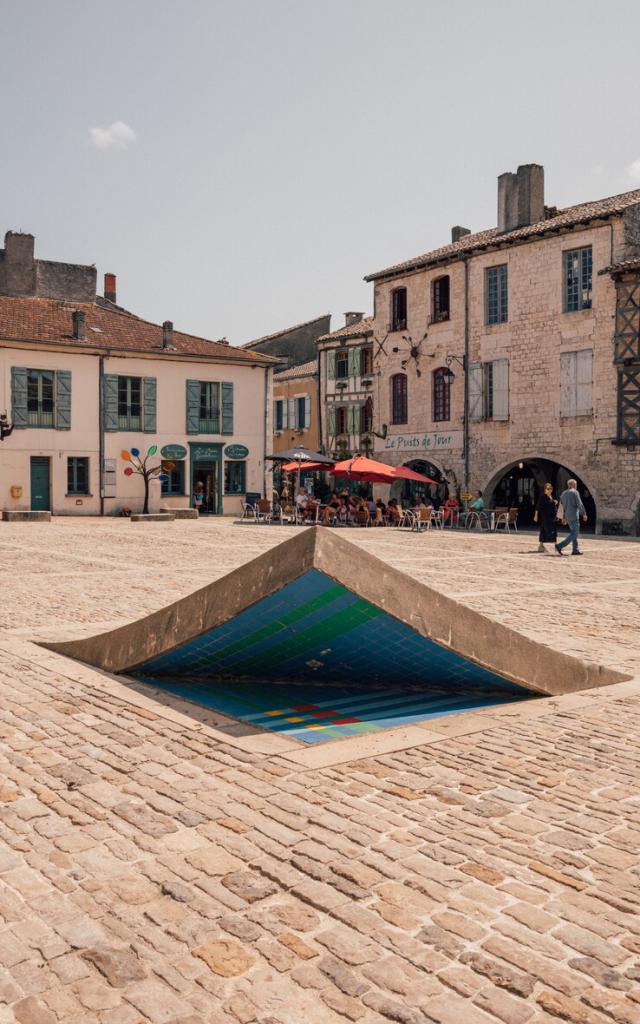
(149, 391)
(331, 416)
(291, 402)
(19, 416)
(354, 362)
(351, 425)
(110, 401)
(285, 413)
(307, 412)
(501, 389)
(193, 407)
(331, 364)
(63, 400)
(110, 473)
(476, 377)
(568, 389)
(227, 408)
(584, 380)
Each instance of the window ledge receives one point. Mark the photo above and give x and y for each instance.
(577, 416)
(78, 494)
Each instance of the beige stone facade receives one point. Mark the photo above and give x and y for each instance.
(542, 384)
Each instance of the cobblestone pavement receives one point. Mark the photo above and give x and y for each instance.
(160, 863)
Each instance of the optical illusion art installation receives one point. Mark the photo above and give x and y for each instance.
(318, 640)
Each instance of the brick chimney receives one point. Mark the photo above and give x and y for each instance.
(79, 318)
(457, 233)
(110, 287)
(521, 197)
(19, 264)
(352, 318)
(167, 336)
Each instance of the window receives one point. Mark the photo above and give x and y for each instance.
(175, 483)
(399, 398)
(129, 403)
(278, 419)
(301, 410)
(441, 395)
(578, 267)
(40, 400)
(576, 379)
(399, 309)
(366, 417)
(209, 407)
(342, 364)
(366, 362)
(440, 300)
(496, 295)
(77, 475)
(235, 476)
(342, 425)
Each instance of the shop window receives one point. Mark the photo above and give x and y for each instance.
(40, 398)
(77, 475)
(441, 395)
(235, 475)
(399, 309)
(440, 299)
(176, 477)
(399, 407)
(129, 403)
(578, 269)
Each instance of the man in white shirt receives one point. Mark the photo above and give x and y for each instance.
(573, 510)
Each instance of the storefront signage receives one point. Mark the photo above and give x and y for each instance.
(236, 451)
(206, 451)
(429, 442)
(173, 451)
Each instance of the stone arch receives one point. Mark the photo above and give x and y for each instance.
(406, 490)
(542, 469)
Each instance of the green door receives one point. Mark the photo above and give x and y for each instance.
(40, 484)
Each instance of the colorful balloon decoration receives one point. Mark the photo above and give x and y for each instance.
(139, 467)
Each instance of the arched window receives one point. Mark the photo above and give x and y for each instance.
(441, 395)
(399, 398)
(440, 299)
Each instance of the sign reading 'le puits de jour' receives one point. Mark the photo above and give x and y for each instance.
(236, 451)
(431, 441)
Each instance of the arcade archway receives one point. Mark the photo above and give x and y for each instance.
(520, 484)
(408, 491)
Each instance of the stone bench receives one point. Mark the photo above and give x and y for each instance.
(182, 513)
(152, 517)
(24, 516)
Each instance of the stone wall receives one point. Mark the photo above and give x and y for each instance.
(22, 274)
(296, 345)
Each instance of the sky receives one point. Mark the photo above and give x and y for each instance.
(242, 165)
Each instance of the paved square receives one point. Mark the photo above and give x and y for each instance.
(162, 862)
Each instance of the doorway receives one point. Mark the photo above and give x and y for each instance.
(205, 482)
(521, 485)
(40, 483)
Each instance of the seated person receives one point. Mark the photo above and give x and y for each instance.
(394, 511)
(451, 510)
(330, 512)
(478, 503)
(301, 500)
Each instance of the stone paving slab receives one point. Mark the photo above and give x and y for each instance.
(156, 866)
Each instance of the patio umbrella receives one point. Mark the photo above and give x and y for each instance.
(404, 473)
(316, 467)
(301, 456)
(364, 469)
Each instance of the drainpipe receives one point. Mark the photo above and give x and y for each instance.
(101, 430)
(466, 375)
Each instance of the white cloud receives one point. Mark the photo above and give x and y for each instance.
(633, 170)
(117, 136)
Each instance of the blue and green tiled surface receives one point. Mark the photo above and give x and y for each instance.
(316, 662)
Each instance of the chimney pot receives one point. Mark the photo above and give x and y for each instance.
(79, 324)
(167, 335)
(352, 318)
(457, 233)
(110, 287)
(521, 197)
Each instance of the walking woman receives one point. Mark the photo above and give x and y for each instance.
(545, 515)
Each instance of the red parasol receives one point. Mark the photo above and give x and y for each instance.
(404, 473)
(364, 469)
(316, 467)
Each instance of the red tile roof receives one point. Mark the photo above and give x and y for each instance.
(362, 329)
(625, 267)
(309, 369)
(561, 220)
(107, 327)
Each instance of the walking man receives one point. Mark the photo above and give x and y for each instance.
(574, 510)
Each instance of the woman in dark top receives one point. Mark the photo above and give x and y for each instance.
(546, 512)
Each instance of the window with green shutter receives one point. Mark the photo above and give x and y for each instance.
(19, 416)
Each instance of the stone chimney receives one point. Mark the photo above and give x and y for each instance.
(19, 264)
(79, 324)
(521, 197)
(457, 233)
(352, 318)
(167, 336)
(110, 287)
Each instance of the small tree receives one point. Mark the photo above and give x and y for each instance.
(139, 467)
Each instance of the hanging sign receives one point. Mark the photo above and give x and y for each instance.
(431, 441)
(236, 451)
(173, 451)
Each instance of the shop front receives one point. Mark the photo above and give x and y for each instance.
(206, 478)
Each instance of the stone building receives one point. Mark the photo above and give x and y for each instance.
(347, 385)
(296, 407)
(292, 346)
(82, 379)
(511, 356)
